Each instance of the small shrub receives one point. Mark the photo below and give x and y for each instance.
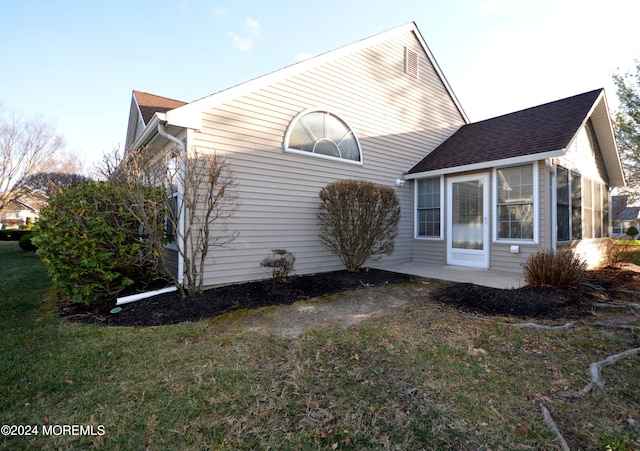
(281, 264)
(632, 232)
(358, 220)
(562, 269)
(26, 244)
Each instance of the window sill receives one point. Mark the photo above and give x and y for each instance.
(428, 238)
(514, 241)
(322, 156)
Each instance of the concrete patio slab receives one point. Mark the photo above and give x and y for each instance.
(483, 277)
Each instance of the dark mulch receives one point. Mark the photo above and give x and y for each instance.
(171, 309)
(526, 302)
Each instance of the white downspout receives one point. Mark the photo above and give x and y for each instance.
(554, 200)
(162, 132)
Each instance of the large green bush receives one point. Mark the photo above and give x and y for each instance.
(358, 220)
(91, 245)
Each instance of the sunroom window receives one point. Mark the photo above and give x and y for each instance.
(323, 134)
(582, 207)
(515, 207)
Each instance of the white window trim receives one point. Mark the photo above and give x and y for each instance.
(295, 120)
(536, 207)
(603, 192)
(416, 225)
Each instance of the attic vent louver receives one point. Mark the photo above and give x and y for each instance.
(411, 62)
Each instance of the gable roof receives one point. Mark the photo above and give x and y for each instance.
(545, 128)
(190, 115)
(629, 214)
(33, 200)
(143, 108)
(149, 104)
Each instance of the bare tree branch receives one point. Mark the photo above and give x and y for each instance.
(199, 189)
(27, 146)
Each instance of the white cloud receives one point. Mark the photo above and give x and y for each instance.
(247, 37)
(252, 26)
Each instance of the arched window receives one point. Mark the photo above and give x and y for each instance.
(322, 134)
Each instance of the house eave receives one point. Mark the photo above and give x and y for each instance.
(611, 152)
(487, 164)
(149, 131)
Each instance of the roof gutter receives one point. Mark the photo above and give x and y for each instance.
(487, 164)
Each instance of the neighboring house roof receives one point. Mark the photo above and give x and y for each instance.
(31, 203)
(619, 203)
(34, 201)
(190, 115)
(539, 132)
(17, 205)
(629, 214)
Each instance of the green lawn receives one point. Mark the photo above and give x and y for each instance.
(426, 378)
(627, 242)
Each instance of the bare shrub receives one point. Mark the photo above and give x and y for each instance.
(562, 269)
(198, 208)
(280, 262)
(358, 220)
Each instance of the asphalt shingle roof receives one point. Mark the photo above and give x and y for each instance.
(150, 104)
(543, 128)
(629, 214)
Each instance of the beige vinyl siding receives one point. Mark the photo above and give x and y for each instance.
(431, 251)
(593, 251)
(396, 118)
(580, 157)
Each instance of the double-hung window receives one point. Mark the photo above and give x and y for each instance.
(515, 202)
(429, 204)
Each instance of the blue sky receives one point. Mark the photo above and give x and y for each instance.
(75, 63)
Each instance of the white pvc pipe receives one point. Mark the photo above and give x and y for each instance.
(140, 296)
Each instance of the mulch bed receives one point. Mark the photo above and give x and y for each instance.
(526, 302)
(170, 308)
